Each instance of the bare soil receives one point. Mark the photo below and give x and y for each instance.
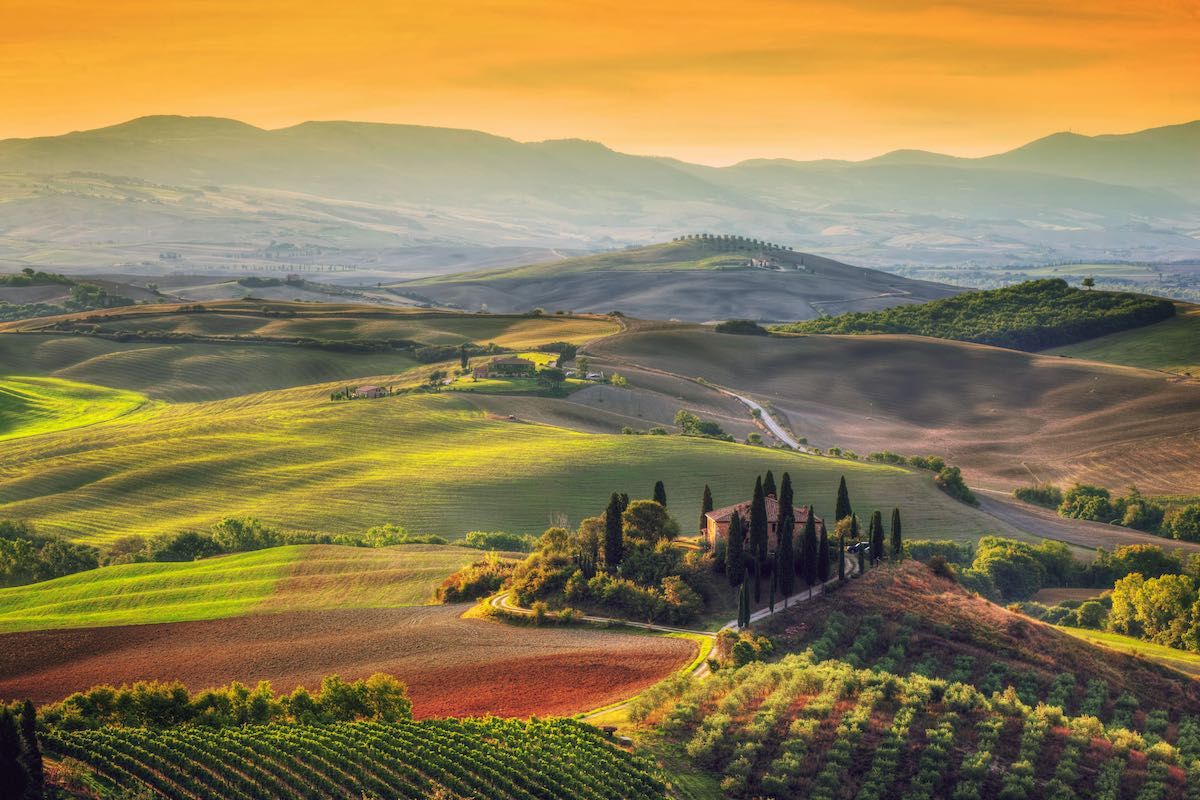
(452, 666)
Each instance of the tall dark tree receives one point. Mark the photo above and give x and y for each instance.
(744, 606)
(841, 558)
(624, 498)
(823, 555)
(735, 558)
(660, 494)
(13, 778)
(897, 539)
(758, 537)
(843, 509)
(31, 753)
(786, 500)
(785, 553)
(876, 537)
(809, 549)
(774, 580)
(614, 533)
(706, 505)
(462, 356)
(769, 485)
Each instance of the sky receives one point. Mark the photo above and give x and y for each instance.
(706, 81)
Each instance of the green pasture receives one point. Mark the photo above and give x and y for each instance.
(291, 578)
(1172, 345)
(30, 406)
(1179, 659)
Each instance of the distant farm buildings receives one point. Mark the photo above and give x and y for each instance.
(716, 522)
(506, 367)
(370, 391)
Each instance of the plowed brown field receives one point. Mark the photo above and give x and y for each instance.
(452, 666)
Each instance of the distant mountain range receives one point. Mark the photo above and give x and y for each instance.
(218, 193)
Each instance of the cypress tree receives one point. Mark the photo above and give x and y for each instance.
(758, 536)
(785, 554)
(769, 485)
(735, 562)
(774, 580)
(13, 779)
(823, 556)
(31, 753)
(786, 501)
(614, 533)
(897, 540)
(624, 498)
(744, 606)
(462, 356)
(876, 537)
(809, 548)
(706, 505)
(843, 502)
(841, 559)
(660, 494)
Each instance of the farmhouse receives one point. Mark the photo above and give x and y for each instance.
(511, 365)
(716, 522)
(370, 391)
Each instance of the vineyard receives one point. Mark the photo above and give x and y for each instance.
(796, 728)
(467, 758)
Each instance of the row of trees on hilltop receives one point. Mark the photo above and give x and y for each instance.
(1029, 316)
(726, 243)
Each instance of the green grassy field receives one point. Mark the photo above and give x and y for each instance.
(1172, 345)
(31, 406)
(1179, 659)
(292, 578)
(433, 463)
(188, 372)
(668, 257)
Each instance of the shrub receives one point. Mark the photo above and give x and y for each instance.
(1183, 523)
(478, 580)
(744, 327)
(1046, 495)
(499, 540)
(950, 481)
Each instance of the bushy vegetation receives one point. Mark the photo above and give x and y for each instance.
(690, 424)
(164, 705)
(950, 481)
(1029, 316)
(1132, 510)
(31, 277)
(26, 557)
(499, 540)
(477, 580)
(744, 327)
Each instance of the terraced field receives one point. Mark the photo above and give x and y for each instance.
(30, 406)
(293, 578)
(1170, 346)
(433, 463)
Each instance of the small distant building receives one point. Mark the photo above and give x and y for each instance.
(370, 391)
(511, 365)
(481, 371)
(716, 522)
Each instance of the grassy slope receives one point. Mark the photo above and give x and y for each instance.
(667, 256)
(1179, 659)
(1172, 345)
(293, 578)
(31, 406)
(434, 463)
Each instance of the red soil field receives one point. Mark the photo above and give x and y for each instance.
(453, 667)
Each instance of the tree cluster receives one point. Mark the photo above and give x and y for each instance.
(1032, 316)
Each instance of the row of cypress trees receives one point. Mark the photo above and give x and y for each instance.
(22, 776)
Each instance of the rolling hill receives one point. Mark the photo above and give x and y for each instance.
(1172, 345)
(1007, 418)
(32, 406)
(217, 194)
(690, 279)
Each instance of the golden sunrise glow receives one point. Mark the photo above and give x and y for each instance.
(705, 81)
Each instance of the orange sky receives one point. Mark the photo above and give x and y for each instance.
(703, 80)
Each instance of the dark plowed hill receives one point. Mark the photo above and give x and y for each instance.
(1008, 418)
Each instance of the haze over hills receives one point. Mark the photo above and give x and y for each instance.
(690, 279)
(218, 194)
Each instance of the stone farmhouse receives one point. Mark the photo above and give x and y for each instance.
(716, 522)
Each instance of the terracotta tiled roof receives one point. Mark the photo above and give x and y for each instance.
(800, 514)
